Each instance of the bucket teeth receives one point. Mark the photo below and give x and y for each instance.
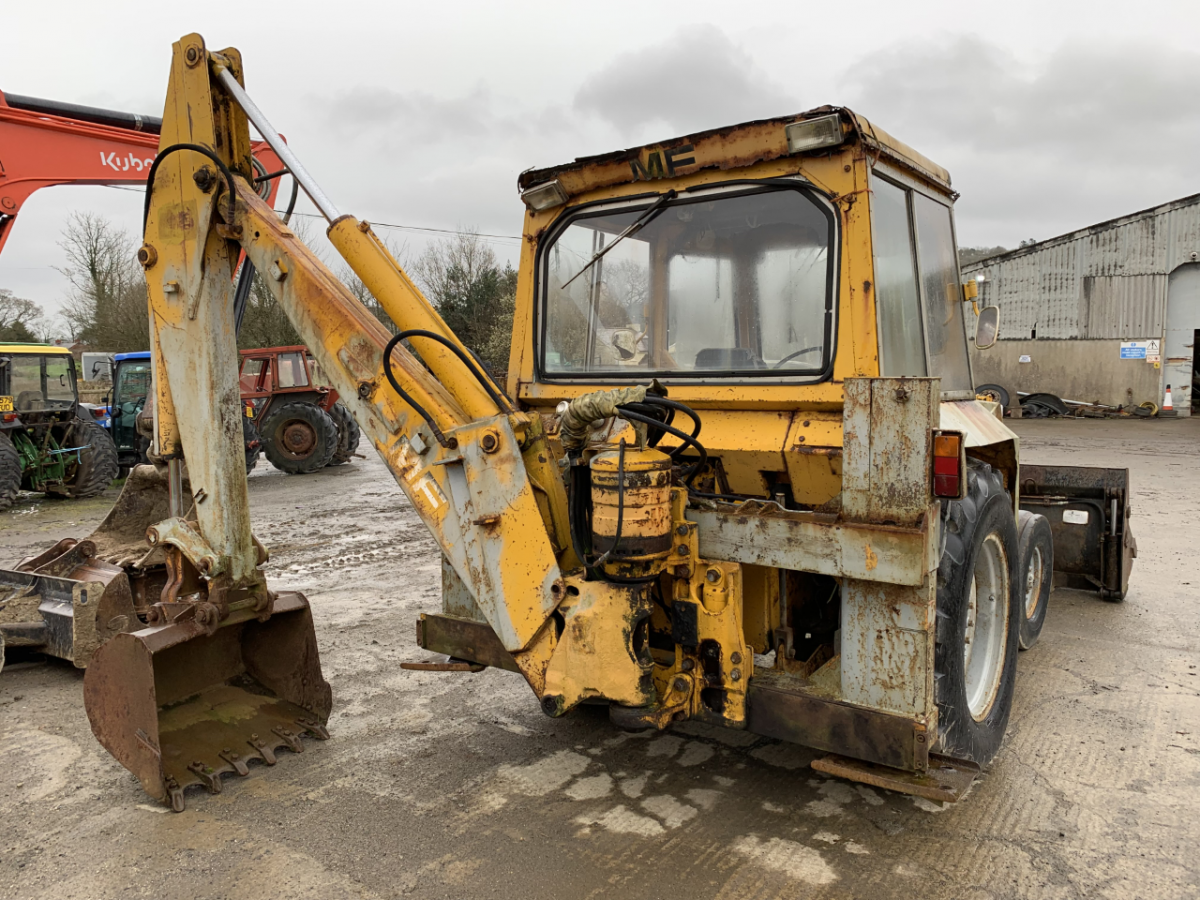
(316, 729)
(290, 738)
(209, 777)
(235, 760)
(264, 750)
(175, 793)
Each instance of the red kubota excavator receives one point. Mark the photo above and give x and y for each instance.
(44, 143)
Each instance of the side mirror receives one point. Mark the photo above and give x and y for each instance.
(987, 327)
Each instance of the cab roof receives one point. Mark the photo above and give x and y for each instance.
(136, 354)
(734, 146)
(7, 347)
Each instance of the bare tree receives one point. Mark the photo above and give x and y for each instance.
(475, 296)
(106, 307)
(265, 324)
(20, 319)
(968, 255)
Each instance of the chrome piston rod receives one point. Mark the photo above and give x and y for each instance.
(273, 139)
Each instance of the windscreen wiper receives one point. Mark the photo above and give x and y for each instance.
(640, 222)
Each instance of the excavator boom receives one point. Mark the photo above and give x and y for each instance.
(478, 471)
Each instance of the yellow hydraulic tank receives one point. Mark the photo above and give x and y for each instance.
(631, 509)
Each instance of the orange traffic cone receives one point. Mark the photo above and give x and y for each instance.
(1167, 408)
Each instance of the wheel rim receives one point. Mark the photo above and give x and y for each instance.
(985, 643)
(1033, 582)
(297, 439)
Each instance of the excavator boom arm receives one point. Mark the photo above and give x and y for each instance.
(455, 445)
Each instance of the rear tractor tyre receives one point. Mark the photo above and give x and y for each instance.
(978, 618)
(10, 472)
(298, 438)
(348, 434)
(1036, 546)
(97, 467)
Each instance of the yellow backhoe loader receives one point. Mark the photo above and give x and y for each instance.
(738, 473)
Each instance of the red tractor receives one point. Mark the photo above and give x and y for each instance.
(302, 425)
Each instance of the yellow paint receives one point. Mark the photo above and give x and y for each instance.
(872, 558)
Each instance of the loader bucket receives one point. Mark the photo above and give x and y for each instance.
(65, 602)
(178, 706)
(1088, 511)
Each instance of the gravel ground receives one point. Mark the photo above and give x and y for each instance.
(455, 786)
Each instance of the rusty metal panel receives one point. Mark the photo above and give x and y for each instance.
(979, 426)
(887, 646)
(781, 712)
(764, 535)
(463, 639)
(888, 448)
(945, 780)
(457, 599)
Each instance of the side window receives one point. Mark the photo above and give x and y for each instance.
(942, 294)
(60, 378)
(251, 370)
(292, 370)
(27, 383)
(901, 338)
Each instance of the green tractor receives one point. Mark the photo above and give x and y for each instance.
(49, 442)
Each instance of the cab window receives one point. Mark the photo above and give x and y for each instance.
(252, 370)
(292, 370)
(729, 283)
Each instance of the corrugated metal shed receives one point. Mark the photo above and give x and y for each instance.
(1108, 281)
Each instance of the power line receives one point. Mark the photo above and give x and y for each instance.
(478, 234)
(482, 235)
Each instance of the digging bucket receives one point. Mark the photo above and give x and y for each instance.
(179, 706)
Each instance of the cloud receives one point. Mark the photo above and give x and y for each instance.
(1090, 132)
(696, 79)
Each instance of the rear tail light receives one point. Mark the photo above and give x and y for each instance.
(99, 412)
(8, 417)
(949, 465)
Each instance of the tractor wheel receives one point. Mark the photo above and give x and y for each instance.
(97, 463)
(298, 438)
(348, 434)
(10, 472)
(978, 618)
(993, 392)
(1036, 543)
(253, 444)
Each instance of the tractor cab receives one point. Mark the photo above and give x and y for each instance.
(132, 379)
(37, 383)
(48, 442)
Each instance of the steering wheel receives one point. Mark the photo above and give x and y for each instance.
(793, 355)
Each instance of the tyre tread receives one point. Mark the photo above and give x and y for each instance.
(10, 472)
(322, 422)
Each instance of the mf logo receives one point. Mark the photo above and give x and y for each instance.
(662, 163)
(129, 161)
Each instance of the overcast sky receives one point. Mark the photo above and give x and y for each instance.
(1050, 116)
